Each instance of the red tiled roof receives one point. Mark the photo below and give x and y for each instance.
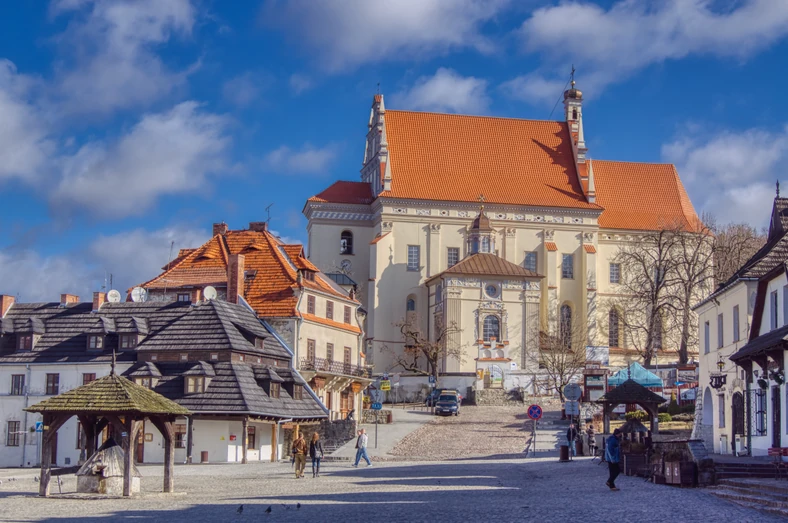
(331, 323)
(641, 196)
(590, 249)
(270, 292)
(376, 240)
(551, 246)
(345, 192)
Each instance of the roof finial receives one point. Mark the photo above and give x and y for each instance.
(572, 76)
(481, 200)
(378, 88)
(778, 188)
(112, 365)
(629, 371)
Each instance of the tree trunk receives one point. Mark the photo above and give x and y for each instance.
(685, 332)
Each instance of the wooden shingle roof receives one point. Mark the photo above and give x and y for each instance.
(631, 392)
(110, 394)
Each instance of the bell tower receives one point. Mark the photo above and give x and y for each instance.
(375, 169)
(573, 111)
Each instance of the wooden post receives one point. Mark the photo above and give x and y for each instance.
(46, 457)
(606, 419)
(273, 441)
(167, 430)
(189, 438)
(245, 440)
(89, 430)
(128, 449)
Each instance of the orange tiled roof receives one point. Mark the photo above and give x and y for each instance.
(641, 196)
(590, 249)
(457, 158)
(331, 323)
(551, 246)
(345, 192)
(270, 292)
(377, 239)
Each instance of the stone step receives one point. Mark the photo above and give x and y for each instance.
(777, 488)
(743, 475)
(754, 491)
(761, 501)
(755, 506)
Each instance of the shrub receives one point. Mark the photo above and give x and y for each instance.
(640, 415)
(688, 409)
(664, 417)
(673, 406)
(684, 417)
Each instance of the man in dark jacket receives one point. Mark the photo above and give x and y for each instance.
(613, 456)
(571, 436)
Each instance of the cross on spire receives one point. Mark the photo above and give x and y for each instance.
(481, 200)
(572, 75)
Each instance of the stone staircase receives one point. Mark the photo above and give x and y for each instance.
(727, 470)
(550, 432)
(758, 494)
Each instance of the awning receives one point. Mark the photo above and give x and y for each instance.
(637, 373)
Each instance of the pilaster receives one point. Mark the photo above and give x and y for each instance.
(434, 249)
(453, 316)
(509, 244)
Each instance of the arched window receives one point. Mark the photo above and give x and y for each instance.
(485, 244)
(566, 325)
(613, 331)
(346, 243)
(411, 305)
(492, 328)
(574, 113)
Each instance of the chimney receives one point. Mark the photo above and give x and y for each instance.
(235, 277)
(258, 226)
(6, 302)
(196, 295)
(67, 299)
(219, 228)
(98, 300)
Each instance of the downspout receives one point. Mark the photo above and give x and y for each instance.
(27, 400)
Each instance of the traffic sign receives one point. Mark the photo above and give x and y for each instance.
(39, 426)
(376, 395)
(385, 385)
(572, 392)
(377, 406)
(572, 408)
(534, 412)
(432, 379)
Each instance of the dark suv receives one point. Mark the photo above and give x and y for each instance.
(447, 404)
(432, 397)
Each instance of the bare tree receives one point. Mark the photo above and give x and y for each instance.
(562, 355)
(421, 354)
(734, 244)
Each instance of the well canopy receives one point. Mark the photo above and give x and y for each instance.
(631, 392)
(638, 373)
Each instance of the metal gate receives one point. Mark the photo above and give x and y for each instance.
(758, 410)
(737, 408)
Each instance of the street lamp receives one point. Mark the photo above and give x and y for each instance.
(719, 379)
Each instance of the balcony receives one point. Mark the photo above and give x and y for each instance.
(334, 367)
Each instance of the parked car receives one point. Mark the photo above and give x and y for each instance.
(435, 393)
(447, 404)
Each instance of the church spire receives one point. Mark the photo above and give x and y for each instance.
(573, 113)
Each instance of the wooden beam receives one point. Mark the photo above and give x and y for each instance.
(167, 430)
(52, 422)
(89, 432)
(128, 448)
(189, 438)
(273, 442)
(245, 440)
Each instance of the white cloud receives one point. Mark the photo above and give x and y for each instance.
(307, 160)
(300, 83)
(534, 89)
(446, 91)
(111, 47)
(24, 136)
(242, 90)
(131, 257)
(165, 153)
(611, 45)
(344, 34)
(731, 174)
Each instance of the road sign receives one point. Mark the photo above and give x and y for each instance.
(377, 406)
(39, 426)
(385, 385)
(534, 412)
(572, 392)
(376, 395)
(572, 408)
(432, 379)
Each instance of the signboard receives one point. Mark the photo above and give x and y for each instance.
(534, 412)
(376, 395)
(385, 385)
(572, 408)
(376, 406)
(39, 426)
(513, 364)
(432, 379)
(687, 376)
(572, 392)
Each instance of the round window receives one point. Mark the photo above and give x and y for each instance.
(491, 290)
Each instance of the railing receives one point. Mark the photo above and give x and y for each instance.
(334, 367)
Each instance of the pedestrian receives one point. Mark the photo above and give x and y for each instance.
(571, 436)
(361, 446)
(316, 453)
(299, 454)
(613, 456)
(591, 441)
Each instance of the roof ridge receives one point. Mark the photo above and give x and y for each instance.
(195, 252)
(437, 113)
(634, 162)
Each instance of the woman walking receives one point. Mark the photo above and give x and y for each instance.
(316, 453)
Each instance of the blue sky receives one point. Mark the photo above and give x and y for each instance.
(125, 126)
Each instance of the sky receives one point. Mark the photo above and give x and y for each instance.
(128, 127)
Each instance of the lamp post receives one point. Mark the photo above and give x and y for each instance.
(719, 379)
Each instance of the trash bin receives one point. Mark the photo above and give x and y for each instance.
(204, 456)
(563, 453)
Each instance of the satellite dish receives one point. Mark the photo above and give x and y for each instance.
(139, 295)
(113, 296)
(209, 293)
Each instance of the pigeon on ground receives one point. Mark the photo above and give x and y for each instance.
(35, 478)
(268, 510)
(240, 509)
(298, 505)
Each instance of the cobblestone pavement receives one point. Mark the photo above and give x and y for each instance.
(477, 431)
(460, 490)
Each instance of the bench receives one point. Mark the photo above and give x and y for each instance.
(780, 466)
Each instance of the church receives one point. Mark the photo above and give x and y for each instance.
(503, 229)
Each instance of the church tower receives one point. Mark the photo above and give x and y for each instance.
(375, 169)
(481, 237)
(573, 111)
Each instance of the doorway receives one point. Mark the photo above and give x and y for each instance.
(776, 416)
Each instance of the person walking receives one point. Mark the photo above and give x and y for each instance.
(316, 453)
(571, 436)
(361, 446)
(613, 456)
(299, 454)
(591, 441)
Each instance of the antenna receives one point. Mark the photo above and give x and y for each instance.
(571, 79)
(139, 295)
(169, 259)
(209, 293)
(268, 211)
(113, 296)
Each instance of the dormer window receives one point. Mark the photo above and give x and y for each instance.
(128, 341)
(195, 384)
(24, 342)
(298, 392)
(258, 342)
(309, 276)
(95, 342)
(275, 390)
(184, 297)
(184, 357)
(143, 382)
